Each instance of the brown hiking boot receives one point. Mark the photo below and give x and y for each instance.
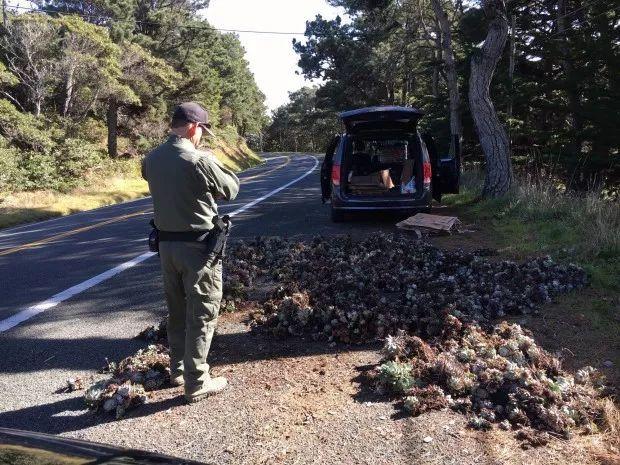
(211, 387)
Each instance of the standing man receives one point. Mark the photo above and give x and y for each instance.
(185, 184)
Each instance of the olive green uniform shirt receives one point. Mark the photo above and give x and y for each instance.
(185, 184)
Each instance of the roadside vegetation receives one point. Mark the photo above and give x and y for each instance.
(536, 218)
(106, 182)
(87, 89)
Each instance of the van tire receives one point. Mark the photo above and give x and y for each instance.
(337, 215)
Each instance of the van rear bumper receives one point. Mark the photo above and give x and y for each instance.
(345, 203)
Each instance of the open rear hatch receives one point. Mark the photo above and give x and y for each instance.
(378, 119)
(382, 158)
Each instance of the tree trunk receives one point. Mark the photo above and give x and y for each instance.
(4, 21)
(511, 72)
(112, 121)
(492, 135)
(447, 54)
(68, 91)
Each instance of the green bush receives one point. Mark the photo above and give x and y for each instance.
(11, 174)
(91, 130)
(38, 171)
(74, 157)
(23, 129)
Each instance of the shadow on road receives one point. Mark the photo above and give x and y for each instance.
(70, 414)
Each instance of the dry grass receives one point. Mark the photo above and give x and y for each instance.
(597, 218)
(537, 218)
(231, 150)
(113, 182)
(609, 453)
(23, 207)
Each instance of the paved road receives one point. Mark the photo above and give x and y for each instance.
(98, 319)
(40, 260)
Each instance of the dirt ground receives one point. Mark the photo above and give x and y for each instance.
(302, 402)
(296, 401)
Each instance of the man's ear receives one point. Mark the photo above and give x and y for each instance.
(191, 132)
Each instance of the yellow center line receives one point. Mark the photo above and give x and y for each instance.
(279, 167)
(70, 233)
(116, 219)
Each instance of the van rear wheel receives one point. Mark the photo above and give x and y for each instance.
(337, 215)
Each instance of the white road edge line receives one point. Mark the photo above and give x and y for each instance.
(7, 232)
(53, 301)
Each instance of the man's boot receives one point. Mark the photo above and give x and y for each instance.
(209, 388)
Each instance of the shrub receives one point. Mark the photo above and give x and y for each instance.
(38, 172)
(91, 130)
(23, 129)
(10, 173)
(74, 157)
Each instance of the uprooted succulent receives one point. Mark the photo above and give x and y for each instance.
(133, 377)
(434, 307)
(494, 376)
(361, 290)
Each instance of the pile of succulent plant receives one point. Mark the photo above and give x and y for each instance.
(499, 376)
(155, 334)
(132, 378)
(354, 291)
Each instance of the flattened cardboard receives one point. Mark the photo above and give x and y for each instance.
(431, 222)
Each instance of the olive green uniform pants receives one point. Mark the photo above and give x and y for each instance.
(193, 288)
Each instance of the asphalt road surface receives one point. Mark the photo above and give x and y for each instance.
(77, 289)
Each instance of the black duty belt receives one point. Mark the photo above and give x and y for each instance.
(214, 239)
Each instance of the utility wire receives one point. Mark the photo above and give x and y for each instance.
(617, 7)
(197, 27)
(152, 23)
(284, 33)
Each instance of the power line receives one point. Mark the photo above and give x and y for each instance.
(201, 27)
(617, 7)
(153, 23)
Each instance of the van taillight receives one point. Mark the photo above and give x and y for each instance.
(336, 175)
(428, 173)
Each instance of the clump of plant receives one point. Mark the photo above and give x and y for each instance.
(500, 376)
(396, 377)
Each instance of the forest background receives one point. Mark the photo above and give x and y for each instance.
(86, 88)
(555, 88)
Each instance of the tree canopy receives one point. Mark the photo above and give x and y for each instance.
(116, 67)
(555, 87)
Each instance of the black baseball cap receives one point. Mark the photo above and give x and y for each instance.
(192, 113)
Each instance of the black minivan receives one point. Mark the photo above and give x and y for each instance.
(382, 162)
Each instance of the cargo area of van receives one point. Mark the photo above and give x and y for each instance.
(375, 166)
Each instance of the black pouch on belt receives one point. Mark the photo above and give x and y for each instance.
(154, 238)
(216, 239)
